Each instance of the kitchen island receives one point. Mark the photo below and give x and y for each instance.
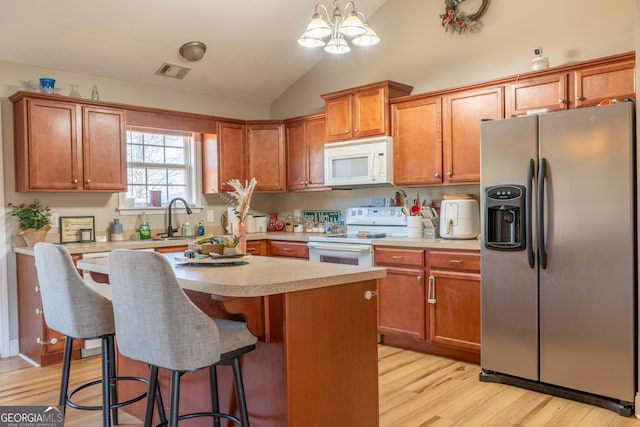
(316, 359)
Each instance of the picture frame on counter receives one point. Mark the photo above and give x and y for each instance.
(77, 229)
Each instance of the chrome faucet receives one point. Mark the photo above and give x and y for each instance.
(170, 229)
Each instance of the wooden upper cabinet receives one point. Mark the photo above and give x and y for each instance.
(417, 141)
(462, 113)
(545, 92)
(361, 112)
(339, 112)
(612, 81)
(63, 146)
(305, 153)
(103, 153)
(231, 151)
(265, 156)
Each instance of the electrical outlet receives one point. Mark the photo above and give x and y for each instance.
(55, 219)
(210, 215)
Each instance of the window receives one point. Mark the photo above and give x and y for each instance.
(159, 160)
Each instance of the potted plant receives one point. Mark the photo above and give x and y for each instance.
(231, 244)
(34, 221)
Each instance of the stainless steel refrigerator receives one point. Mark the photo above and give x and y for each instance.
(558, 273)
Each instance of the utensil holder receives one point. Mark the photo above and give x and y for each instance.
(431, 233)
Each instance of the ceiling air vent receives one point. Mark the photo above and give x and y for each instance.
(173, 71)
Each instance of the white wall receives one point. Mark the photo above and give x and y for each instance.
(417, 51)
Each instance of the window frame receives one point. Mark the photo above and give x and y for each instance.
(193, 172)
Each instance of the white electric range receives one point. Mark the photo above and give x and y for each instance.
(363, 225)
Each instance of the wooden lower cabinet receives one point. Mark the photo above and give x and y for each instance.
(37, 341)
(433, 308)
(288, 249)
(454, 309)
(257, 247)
(404, 288)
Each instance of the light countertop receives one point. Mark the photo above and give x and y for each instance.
(261, 276)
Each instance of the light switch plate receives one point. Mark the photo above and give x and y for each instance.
(210, 215)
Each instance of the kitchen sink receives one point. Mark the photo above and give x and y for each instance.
(165, 238)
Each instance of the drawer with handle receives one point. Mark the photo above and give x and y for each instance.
(397, 256)
(290, 249)
(454, 261)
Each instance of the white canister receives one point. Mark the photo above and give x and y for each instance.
(251, 224)
(414, 226)
(261, 224)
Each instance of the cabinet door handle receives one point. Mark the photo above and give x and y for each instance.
(51, 341)
(431, 290)
(39, 312)
(356, 130)
(37, 288)
(287, 249)
(456, 261)
(397, 257)
(75, 181)
(369, 294)
(88, 181)
(449, 174)
(437, 174)
(346, 131)
(579, 98)
(561, 101)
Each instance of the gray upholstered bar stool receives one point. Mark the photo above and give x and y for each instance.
(156, 323)
(75, 309)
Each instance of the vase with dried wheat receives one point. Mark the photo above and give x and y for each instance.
(242, 196)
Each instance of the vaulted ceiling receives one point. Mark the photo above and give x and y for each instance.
(252, 51)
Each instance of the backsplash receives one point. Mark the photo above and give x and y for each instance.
(286, 203)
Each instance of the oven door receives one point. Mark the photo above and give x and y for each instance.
(341, 253)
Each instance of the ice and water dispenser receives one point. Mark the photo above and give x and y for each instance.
(505, 217)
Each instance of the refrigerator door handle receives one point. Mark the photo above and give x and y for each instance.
(542, 174)
(528, 214)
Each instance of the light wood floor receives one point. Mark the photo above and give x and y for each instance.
(416, 390)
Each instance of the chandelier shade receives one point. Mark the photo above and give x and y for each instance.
(336, 26)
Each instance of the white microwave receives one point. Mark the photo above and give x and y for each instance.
(360, 162)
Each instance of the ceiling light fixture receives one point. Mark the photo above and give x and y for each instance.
(193, 51)
(337, 25)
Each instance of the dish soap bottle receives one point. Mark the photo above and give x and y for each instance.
(116, 230)
(145, 230)
(186, 229)
(200, 229)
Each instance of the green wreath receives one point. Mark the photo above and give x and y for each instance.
(459, 22)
